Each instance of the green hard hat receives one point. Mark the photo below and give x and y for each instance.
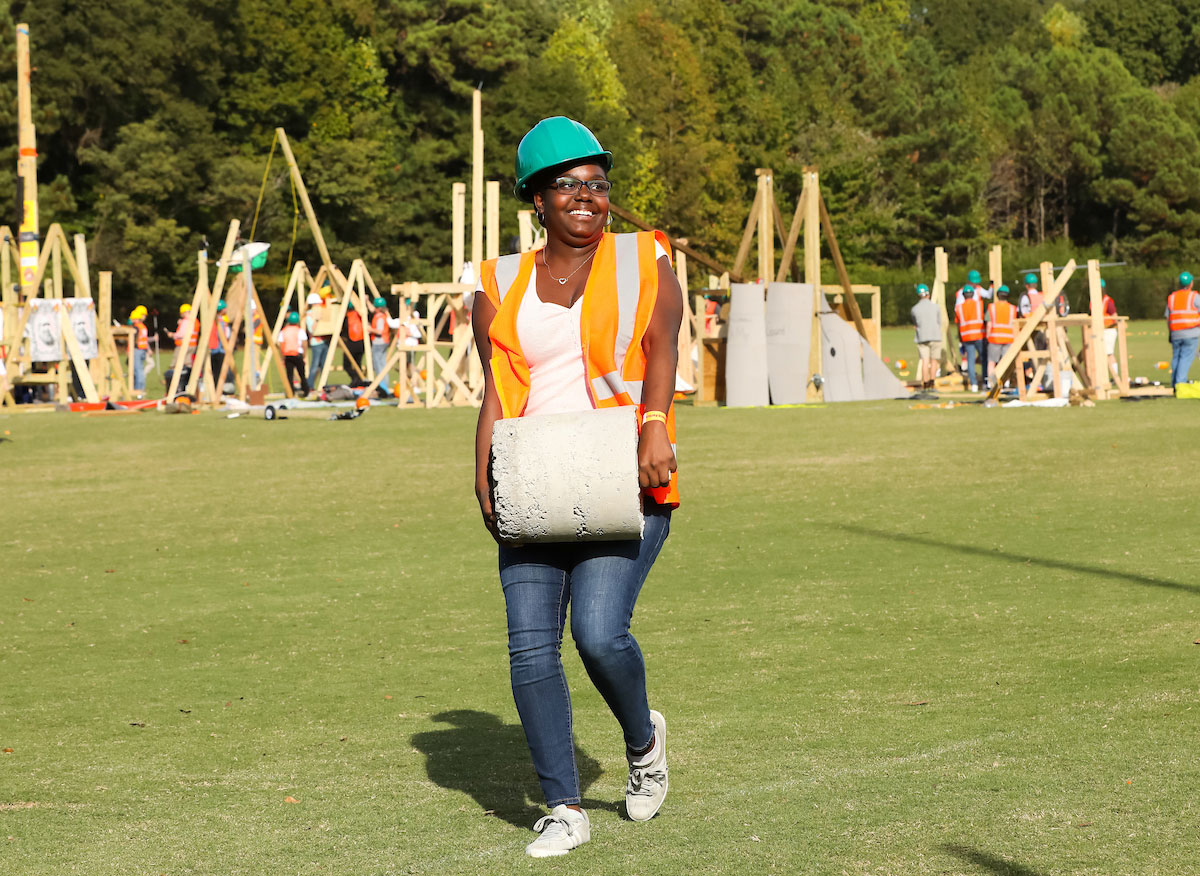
(1102, 283)
(293, 318)
(1031, 279)
(922, 289)
(973, 277)
(1185, 279)
(379, 302)
(551, 142)
(968, 290)
(1002, 291)
(220, 306)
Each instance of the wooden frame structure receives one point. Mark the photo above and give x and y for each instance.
(100, 377)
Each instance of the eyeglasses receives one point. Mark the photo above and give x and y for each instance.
(568, 185)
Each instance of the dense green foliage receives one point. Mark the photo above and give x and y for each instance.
(945, 122)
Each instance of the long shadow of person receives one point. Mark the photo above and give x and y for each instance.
(480, 754)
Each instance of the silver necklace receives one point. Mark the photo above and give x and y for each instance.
(563, 281)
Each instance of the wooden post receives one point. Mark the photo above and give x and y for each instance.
(743, 252)
(1032, 323)
(302, 191)
(458, 210)
(26, 167)
(476, 179)
(812, 276)
(684, 366)
(1047, 272)
(6, 293)
(493, 223)
(941, 275)
(525, 229)
(765, 199)
(209, 313)
(1098, 360)
(995, 268)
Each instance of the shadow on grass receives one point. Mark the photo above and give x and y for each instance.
(1023, 559)
(481, 755)
(990, 863)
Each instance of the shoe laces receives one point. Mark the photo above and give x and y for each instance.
(643, 781)
(551, 827)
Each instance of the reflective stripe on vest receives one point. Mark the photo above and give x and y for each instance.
(1181, 312)
(289, 340)
(618, 301)
(969, 316)
(1001, 326)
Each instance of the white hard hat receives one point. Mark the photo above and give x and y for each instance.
(416, 314)
(313, 298)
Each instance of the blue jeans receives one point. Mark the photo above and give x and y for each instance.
(139, 370)
(601, 581)
(1183, 353)
(378, 361)
(316, 361)
(974, 352)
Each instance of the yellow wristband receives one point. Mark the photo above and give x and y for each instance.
(650, 416)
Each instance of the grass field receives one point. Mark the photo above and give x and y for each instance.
(887, 641)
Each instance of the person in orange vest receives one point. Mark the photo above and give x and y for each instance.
(968, 315)
(1183, 321)
(141, 349)
(1001, 331)
(291, 340)
(1108, 307)
(352, 330)
(192, 341)
(381, 337)
(545, 325)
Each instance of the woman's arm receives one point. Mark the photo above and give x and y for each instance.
(656, 459)
(482, 314)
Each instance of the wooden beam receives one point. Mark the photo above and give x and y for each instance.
(743, 253)
(676, 242)
(788, 261)
(812, 276)
(765, 199)
(1035, 320)
(458, 218)
(850, 307)
(476, 179)
(1098, 359)
(493, 222)
(302, 191)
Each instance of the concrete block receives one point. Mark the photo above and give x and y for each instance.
(567, 477)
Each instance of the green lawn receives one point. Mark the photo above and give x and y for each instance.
(887, 641)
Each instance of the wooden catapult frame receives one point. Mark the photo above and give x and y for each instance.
(99, 378)
(1089, 365)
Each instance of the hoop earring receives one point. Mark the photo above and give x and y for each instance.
(541, 217)
(608, 221)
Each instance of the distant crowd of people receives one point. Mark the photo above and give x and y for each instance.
(987, 323)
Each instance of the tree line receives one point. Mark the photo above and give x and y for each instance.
(940, 123)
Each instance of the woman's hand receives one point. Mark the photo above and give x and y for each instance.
(483, 492)
(656, 459)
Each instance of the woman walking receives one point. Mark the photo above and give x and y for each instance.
(590, 321)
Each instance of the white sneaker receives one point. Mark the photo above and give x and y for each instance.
(562, 830)
(647, 786)
(974, 387)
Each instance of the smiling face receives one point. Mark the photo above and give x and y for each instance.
(578, 218)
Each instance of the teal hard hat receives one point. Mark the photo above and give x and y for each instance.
(1002, 291)
(1031, 279)
(1185, 279)
(1102, 283)
(968, 289)
(220, 306)
(293, 318)
(973, 277)
(379, 302)
(553, 142)
(922, 289)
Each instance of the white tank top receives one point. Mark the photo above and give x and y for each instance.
(551, 340)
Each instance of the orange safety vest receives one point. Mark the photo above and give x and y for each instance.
(289, 340)
(379, 328)
(178, 336)
(1110, 316)
(1035, 301)
(1002, 328)
(969, 316)
(1182, 314)
(618, 302)
(143, 336)
(354, 325)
